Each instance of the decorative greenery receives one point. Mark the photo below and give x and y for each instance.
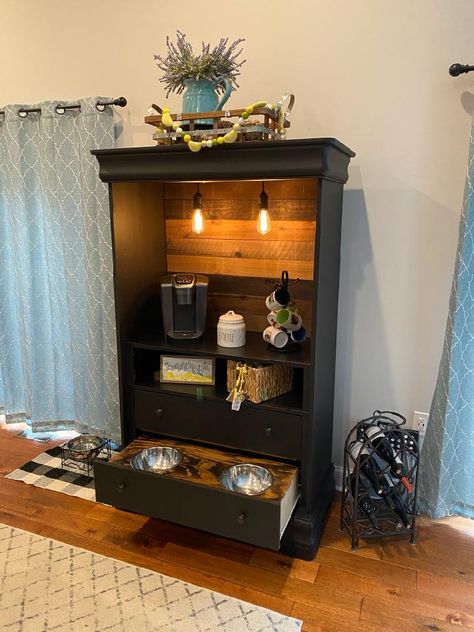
(231, 136)
(181, 63)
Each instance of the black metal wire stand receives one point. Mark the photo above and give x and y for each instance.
(392, 511)
(85, 463)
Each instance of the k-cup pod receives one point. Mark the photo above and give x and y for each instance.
(288, 319)
(275, 337)
(298, 335)
(277, 299)
(272, 318)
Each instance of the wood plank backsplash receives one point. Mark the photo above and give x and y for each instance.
(230, 245)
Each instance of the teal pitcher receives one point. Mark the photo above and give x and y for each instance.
(201, 96)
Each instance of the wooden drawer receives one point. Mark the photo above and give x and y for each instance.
(251, 429)
(192, 494)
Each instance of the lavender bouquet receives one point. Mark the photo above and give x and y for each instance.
(181, 63)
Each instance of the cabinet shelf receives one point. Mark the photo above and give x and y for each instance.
(256, 349)
(287, 403)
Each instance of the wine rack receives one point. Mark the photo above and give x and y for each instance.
(380, 479)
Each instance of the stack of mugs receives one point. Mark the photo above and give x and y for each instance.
(286, 325)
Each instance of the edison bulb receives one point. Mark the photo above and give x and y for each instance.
(198, 221)
(263, 222)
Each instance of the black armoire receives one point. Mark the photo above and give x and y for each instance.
(151, 203)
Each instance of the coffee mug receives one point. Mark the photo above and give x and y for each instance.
(277, 299)
(272, 318)
(298, 335)
(275, 337)
(288, 319)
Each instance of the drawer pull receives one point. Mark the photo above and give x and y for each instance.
(241, 518)
(120, 487)
(268, 431)
(159, 412)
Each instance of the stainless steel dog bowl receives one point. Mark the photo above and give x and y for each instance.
(157, 459)
(246, 478)
(85, 445)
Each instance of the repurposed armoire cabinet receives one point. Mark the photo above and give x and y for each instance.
(151, 193)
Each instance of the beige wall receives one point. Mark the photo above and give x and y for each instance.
(371, 73)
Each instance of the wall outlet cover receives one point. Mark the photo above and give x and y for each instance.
(420, 421)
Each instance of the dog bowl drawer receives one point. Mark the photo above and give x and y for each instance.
(192, 494)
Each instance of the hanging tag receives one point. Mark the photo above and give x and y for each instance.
(237, 401)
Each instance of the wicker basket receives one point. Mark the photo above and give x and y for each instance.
(262, 382)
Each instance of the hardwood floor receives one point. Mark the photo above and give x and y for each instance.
(389, 586)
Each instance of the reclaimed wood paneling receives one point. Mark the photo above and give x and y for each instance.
(241, 249)
(238, 190)
(281, 210)
(281, 230)
(230, 243)
(236, 266)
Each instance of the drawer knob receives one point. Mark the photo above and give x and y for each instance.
(241, 518)
(159, 412)
(269, 431)
(120, 487)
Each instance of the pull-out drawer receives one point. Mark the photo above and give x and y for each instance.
(252, 429)
(192, 494)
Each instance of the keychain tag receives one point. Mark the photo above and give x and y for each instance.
(236, 402)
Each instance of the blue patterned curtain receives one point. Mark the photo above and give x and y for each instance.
(447, 460)
(58, 358)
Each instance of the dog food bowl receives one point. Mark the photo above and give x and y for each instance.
(84, 446)
(160, 458)
(246, 478)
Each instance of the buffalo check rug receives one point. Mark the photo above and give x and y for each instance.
(45, 471)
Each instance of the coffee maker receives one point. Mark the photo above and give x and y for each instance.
(184, 305)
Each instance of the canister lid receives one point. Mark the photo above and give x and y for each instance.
(231, 317)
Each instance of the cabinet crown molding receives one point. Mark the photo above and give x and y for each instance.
(325, 158)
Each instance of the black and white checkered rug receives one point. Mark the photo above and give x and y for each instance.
(45, 471)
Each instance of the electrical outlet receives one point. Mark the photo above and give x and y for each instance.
(420, 421)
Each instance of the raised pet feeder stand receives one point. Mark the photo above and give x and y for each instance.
(81, 452)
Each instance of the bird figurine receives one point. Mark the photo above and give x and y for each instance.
(166, 119)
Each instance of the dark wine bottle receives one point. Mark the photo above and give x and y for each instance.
(367, 465)
(393, 500)
(364, 502)
(384, 450)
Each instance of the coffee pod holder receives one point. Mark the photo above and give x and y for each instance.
(294, 331)
(389, 508)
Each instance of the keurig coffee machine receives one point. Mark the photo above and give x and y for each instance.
(184, 305)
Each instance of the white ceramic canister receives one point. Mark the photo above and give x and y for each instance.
(231, 330)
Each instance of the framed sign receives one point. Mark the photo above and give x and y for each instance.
(186, 369)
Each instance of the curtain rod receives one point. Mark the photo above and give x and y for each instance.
(60, 109)
(458, 69)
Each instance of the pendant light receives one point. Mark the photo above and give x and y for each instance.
(198, 219)
(263, 221)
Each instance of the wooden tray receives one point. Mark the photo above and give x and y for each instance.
(264, 125)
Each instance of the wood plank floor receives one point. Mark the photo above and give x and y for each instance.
(386, 587)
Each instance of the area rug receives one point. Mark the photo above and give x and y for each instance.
(45, 471)
(46, 585)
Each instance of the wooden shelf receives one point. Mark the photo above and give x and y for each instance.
(287, 403)
(256, 349)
